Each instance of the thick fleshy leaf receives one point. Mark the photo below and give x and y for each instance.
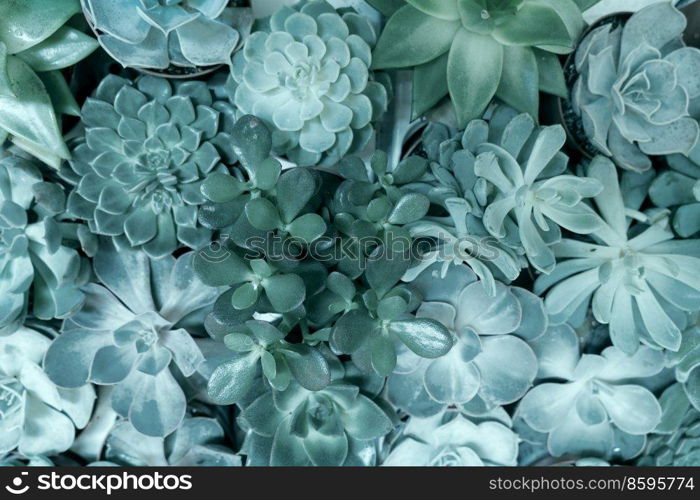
(411, 38)
(232, 380)
(472, 91)
(425, 337)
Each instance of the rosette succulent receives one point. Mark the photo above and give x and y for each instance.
(36, 416)
(449, 439)
(486, 364)
(593, 401)
(477, 49)
(637, 86)
(158, 34)
(147, 148)
(674, 442)
(135, 333)
(39, 263)
(198, 442)
(679, 189)
(636, 277)
(36, 43)
(338, 425)
(306, 74)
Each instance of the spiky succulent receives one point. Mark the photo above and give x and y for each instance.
(636, 85)
(133, 331)
(586, 406)
(674, 442)
(636, 277)
(147, 148)
(307, 75)
(198, 442)
(36, 417)
(486, 366)
(338, 425)
(450, 439)
(158, 34)
(679, 189)
(36, 43)
(39, 263)
(509, 172)
(477, 49)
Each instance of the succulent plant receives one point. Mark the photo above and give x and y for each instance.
(384, 323)
(587, 409)
(197, 442)
(133, 331)
(36, 417)
(486, 364)
(39, 262)
(449, 439)
(306, 74)
(478, 49)
(637, 278)
(636, 88)
(36, 43)
(686, 361)
(674, 442)
(147, 148)
(261, 345)
(259, 198)
(157, 34)
(679, 188)
(338, 425)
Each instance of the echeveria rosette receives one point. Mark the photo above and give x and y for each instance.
(132, 332)
(523, 168)
(674, 441)
(36, 417)
(638, 279)
(307, 75)
(35, 45)
(197, 442)
(338, 425)
(39, 263)
(477, 49)
(489, 365)
(588, 403)
(450, 439)
(258, 199)
(384, 323)
(157, 34)
(148, 146)
(679, 189)
(638, 87)
(260, 346)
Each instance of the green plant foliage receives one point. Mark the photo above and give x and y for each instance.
(451, 440)
(306, 74)
(159, 34)
(637, 87)
(585, 408)
(147, 148)
(38, 417)
(36, 43)
(39, 259)
(674, 441)
(635, 276)
(477, 49)
(132, 336)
